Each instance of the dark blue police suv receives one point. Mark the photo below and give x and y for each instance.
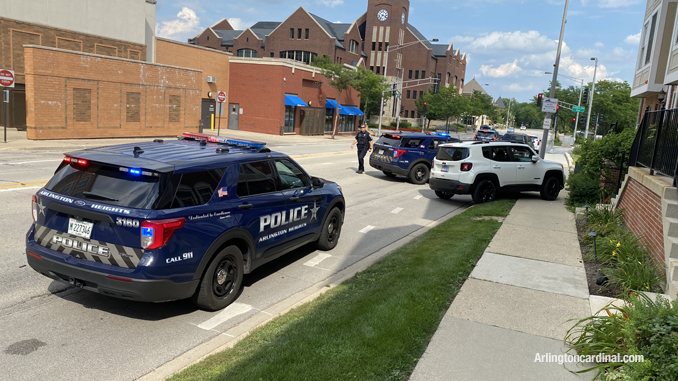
(408, 154)
(167, 220)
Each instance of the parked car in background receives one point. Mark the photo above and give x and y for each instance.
(487, 135)
(523, 128)
(536, 143)
(519, 138)
(511, 130)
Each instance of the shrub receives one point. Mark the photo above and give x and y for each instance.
(605, 220)
(583, 189)
(403, 124)
(640, 327)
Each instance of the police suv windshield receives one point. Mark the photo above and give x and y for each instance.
(106, 184)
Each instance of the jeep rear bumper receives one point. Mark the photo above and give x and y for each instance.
(449, 186)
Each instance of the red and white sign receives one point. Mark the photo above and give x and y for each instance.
(6, 78)
(221, 96)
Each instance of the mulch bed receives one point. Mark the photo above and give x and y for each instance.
(591, 268)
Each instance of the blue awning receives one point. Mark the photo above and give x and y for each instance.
(293, 100)
(331, 104)
(350, 110)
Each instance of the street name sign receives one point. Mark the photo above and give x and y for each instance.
(578, 108)
(549, 105)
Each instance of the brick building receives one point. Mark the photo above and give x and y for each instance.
(381, 40)
(115, 28)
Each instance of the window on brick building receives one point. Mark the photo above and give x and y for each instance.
(372, 69)
(421, 94)
(133, 107)
(82, 105)
(247, 53)
(374, 46)
(272, 55)
(414, 95)
(306, 31)
(385, 45)
(416, 74)
(353, 46)
(299, 34)
(407, 113)
(380, 46)
(378, 69)
(175, 108)
(423, 74)
(410, 75)
(292, 33)
(289, 119)
(408, 94)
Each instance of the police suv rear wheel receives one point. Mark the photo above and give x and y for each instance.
(419, 174)
(221, 283)
(329, 236)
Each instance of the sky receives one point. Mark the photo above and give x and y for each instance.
(509, 44)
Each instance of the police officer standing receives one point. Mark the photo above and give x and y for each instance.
(364, 141)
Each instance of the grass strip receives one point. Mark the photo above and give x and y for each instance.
(374, 326)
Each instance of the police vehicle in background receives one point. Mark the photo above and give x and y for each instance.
(167, 220)
(408, 154)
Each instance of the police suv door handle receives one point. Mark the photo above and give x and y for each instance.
(245, 206)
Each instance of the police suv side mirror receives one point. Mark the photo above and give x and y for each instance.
(317, 183)
(535, 158)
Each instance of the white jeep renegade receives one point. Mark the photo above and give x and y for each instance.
(482, 168)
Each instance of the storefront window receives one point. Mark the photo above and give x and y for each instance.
(328, 120)
(347, 123)
(289, 119)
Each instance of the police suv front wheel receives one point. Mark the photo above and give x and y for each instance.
(221, 282)
(329, 236)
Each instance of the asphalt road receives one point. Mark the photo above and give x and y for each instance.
(51, 330)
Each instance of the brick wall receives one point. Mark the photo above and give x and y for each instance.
(73, 95)
(14, 34)
(261, 88)
(643, 216)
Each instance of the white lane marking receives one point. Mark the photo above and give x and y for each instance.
(20, 188)
(418, 197)
(34, 161)
(397, 210)
(366, 229)
(229, 312)
(317, 260)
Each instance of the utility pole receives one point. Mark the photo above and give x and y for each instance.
(593, 89)
(545, 137)
(508, 113)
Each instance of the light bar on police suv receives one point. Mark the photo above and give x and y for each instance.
(221, 140)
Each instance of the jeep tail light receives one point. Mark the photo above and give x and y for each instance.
(475, 137)
(494, 139)
(156, 233)
(398, 152)
(34, 206)
(465, 167)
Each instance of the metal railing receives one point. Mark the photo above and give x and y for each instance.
(656, 143)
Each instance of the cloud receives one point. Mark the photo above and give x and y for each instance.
(599, 45)
(633, 39)
(586, 53)
(502, 71)
(330, 3)
(617, 3)
(619, 55)
(519, 87)
(530, 41)
(238, 24)
(460, 39)
(188, 22)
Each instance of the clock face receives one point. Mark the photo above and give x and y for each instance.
(402, 18)
(382, 15)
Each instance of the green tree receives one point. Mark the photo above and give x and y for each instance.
(338, 77)
(443, 105)
(613, 99)
(370, 86)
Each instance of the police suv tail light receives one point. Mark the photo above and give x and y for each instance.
(34, 206)
(465, 167)
(155, 234)
(398, 152)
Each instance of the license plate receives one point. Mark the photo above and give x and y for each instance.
(381, 152)
(80, 228)
(445, 168)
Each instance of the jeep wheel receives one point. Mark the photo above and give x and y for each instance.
(329, 236)
(221, 282)
(444, 195)
(418, 174)
(550, 189)
(485, 191)
(389, 174)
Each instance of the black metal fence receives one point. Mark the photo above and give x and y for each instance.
(656, 143)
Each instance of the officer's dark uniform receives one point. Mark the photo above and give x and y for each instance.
(363, 138)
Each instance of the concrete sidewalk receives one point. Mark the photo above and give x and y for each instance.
(517, 302)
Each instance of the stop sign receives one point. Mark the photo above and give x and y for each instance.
(221, 97)
(6, 78)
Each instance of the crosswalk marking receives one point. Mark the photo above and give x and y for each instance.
(418, 197)
(227, 313)
(315, 261)
(397, 210)
(366, 229)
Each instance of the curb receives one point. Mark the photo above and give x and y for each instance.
(231, 337)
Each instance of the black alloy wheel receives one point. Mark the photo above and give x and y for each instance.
(224, 277)
(485, 191)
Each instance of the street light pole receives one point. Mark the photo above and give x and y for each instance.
(593, 89)
(508, 113)
(545, 137)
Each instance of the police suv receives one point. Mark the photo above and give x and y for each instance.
(167, 220)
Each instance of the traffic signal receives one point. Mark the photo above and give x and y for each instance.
(539, 100)
(600, 118)
(395, 89)
(585, 98)
(582, 122)
(424, 108)
(402, 109)
(574, 120)
(557, 109)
